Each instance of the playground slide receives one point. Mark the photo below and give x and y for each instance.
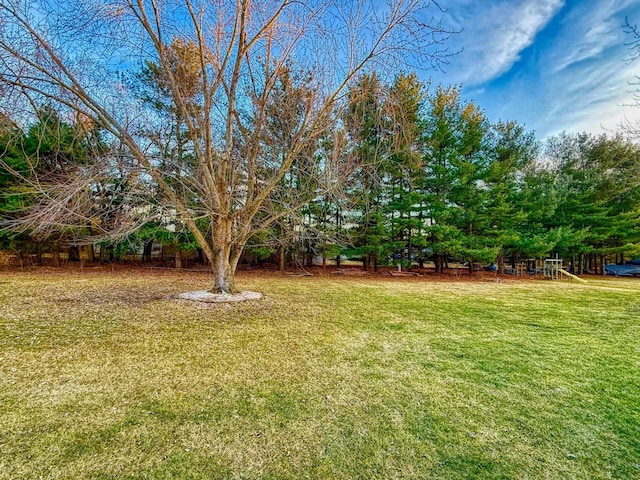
(572, 276)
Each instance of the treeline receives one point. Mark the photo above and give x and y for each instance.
(425, 177)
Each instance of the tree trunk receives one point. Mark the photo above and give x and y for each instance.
(146, 251)
(223, 276)
(500, 267)
(178, 256)
(225, 256)
(55, 255)
(281, 258)
(580, 266)
(74, 253)
(38, 253)
(309, 258)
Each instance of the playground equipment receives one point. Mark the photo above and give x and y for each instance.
(521, 268)
(552, 267)
(572, 276)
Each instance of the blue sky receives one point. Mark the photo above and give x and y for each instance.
(552, 65)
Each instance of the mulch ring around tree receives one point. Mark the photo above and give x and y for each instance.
(208, 297)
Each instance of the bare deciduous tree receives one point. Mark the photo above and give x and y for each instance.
(630, 127)
(201, 147)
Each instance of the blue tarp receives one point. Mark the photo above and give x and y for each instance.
(622, 270)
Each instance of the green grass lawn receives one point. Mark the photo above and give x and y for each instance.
(103, 375)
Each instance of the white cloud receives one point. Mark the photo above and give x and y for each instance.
(588, 97)
(496, 33)
(586, 84)
(595, 41)
(588, 33)
(574, 78)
